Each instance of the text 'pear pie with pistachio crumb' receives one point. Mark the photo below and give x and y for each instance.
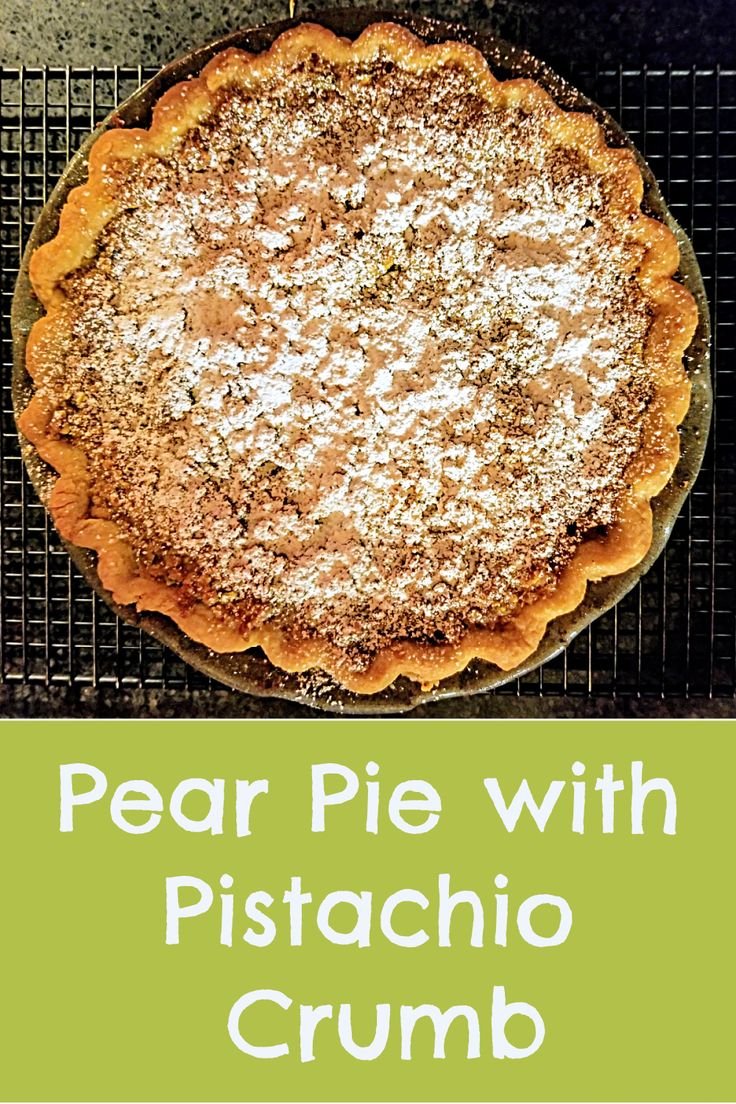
(361, 356)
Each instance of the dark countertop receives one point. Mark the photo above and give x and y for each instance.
(148, 32)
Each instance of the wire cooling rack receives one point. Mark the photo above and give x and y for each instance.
(670, 645)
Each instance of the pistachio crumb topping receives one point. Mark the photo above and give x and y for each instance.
(363, 355)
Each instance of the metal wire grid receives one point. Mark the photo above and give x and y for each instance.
(673, 637)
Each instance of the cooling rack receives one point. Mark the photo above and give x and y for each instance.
(668, 647)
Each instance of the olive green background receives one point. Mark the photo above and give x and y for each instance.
(638, 1003)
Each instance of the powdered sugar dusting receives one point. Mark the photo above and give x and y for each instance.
(365, 354)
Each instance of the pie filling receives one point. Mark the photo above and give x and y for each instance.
(363, 356)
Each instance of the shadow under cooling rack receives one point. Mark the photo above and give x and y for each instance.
(669, 646)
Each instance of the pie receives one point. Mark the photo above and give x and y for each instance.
(361, 356)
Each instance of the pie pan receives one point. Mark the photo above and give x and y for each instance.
(251, 671)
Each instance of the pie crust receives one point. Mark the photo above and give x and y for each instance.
(513, 634)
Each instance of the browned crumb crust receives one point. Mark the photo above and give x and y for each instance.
(82, 515)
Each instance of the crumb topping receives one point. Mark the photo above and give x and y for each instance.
(363, 355)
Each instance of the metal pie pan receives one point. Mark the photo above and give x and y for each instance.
(251, 671)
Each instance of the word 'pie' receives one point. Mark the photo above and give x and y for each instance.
(361, 356)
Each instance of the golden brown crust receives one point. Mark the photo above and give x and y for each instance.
(90, 207)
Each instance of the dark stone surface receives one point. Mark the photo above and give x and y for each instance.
(84, 32)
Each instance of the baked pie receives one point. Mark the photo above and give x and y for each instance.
(361, 356)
